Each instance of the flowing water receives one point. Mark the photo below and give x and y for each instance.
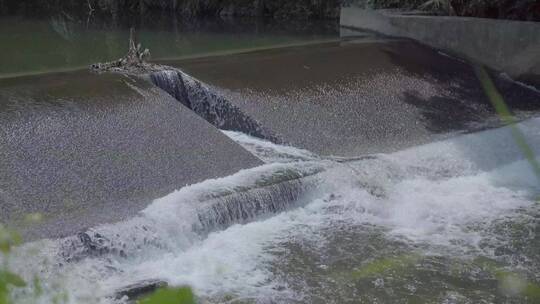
(454, 221)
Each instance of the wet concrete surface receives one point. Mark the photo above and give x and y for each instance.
(358, 96)
(83, 149)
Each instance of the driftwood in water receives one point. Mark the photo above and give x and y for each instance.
(134, 62)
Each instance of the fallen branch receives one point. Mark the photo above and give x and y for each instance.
(134, 62)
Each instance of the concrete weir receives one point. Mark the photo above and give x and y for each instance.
(354, 97)
(504, 45)
(85, 149)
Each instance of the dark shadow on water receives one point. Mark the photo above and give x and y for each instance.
(460, 104)
(443, 114)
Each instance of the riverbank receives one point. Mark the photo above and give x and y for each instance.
(276, 9)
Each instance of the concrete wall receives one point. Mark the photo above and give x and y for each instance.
(509, 46)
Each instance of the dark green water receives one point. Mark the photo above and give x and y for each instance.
(37, 45)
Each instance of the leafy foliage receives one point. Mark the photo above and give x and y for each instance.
(305, 9)
(181, 295)
(8, 239)
(385, 265)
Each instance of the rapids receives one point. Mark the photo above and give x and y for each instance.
(442, 222)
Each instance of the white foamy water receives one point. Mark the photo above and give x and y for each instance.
(441, 198)
(270, 152)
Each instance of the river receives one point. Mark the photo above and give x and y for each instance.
(445, 211)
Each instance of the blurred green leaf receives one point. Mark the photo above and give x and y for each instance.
(181, 295)
(512, 283)
(33, 218)
(9, 278)
(532, 291)
(38, 290)
(3, 293)
(384, 265)
(8, 239)
(506, 116)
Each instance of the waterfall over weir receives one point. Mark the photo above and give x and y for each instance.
(394, 186)
(206, 103)
(181, 217)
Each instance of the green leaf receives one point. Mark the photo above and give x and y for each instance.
(3, 297)
(38, 290)
(3, 293)
(505, 114)
(515, 284)
(8, 239)
(181, 295)
(10, 278)
(532, 291)
(384, 265)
